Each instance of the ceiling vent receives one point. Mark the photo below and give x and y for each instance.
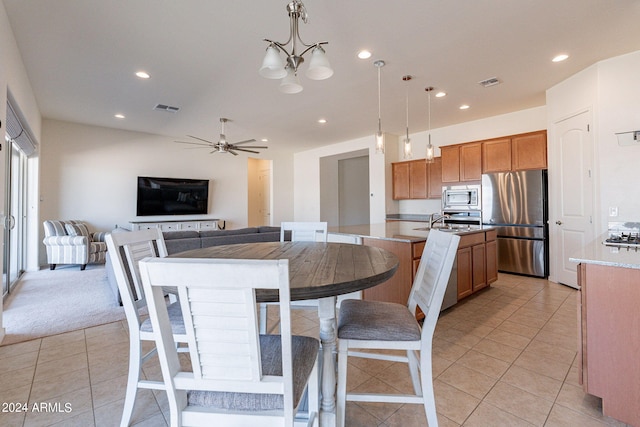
(489, 82)
(167, 108)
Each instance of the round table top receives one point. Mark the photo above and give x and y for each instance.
(316, 270)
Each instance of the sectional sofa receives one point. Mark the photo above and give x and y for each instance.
(184, 240)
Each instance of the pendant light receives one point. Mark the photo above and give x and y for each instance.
(430, 148)
(379, 134)
(407, 141)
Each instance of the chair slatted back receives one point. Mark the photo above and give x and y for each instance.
(433, 274)
(126, 251)
(304, 231)
(218, 305)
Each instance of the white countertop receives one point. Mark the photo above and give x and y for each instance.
(406, 231)
(597, 253)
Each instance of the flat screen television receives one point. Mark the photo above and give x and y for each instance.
(172, 196)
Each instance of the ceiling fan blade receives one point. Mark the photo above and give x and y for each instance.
(246, 151)
(244, 142)
(230, 150)
(262, 147)
(194, 143)
(201, 139)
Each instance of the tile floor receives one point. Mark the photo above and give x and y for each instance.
(505, 357)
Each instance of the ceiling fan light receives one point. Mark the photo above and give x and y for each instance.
(290, 83)
(272, 65)
(319, 67)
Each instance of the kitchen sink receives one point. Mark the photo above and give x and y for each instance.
(451, 228)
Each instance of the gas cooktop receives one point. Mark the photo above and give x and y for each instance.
(628, 240)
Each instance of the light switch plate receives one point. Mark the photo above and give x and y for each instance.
(613, 211)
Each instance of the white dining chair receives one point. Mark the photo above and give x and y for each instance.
(299, 232)
(374, 325)
(126, 249)
(238, 377)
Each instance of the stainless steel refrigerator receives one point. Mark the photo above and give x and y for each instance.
(516, 204)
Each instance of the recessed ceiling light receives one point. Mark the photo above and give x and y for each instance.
(143, 74)
(364, 54)
(560, 58)
(464, 107)
(119, 116)
(264, 140)
(441, 94)
(322, 121)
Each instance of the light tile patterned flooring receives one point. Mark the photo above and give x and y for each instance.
(505, 357)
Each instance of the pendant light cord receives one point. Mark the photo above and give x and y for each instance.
(379, 110)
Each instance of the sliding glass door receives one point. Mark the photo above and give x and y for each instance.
(14, 222)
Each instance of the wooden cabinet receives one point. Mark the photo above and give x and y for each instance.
(450, 163)
(397, 288)
(492, 255)
(400, 177)
(513, 153)
(477, 262)
(608, 338)
(529, 151)
(461, 163)
(435, 178)
(496, 155)
(471, 162)
(411, 179)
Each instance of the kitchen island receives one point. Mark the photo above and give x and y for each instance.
(609, 328)
(475, 268)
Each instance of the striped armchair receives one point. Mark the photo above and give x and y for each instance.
(70, 242)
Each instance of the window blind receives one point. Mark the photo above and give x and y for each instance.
(18, 133)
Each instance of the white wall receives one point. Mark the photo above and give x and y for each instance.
(618, 111)
(90, 172)
(13, 79)
(611, 90)
(307, 163)
(307, 175)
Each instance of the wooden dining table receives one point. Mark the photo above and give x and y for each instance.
(320, 271)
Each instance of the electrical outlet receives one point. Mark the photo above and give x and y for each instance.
(613, 211)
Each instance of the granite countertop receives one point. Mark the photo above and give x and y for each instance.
(597, 253)
(405, 231)
(409, 217)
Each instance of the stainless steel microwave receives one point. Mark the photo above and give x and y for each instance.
(461, 198)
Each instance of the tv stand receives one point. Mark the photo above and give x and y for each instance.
(172, 224)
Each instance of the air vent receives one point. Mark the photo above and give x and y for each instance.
(489, 82)
(167, 108)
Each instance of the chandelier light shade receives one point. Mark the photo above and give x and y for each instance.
(379, 134)
(430, 149)
(274, 67)
(407, 141)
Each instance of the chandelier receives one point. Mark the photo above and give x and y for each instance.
(273, 66)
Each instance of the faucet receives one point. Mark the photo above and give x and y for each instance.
(439, 217)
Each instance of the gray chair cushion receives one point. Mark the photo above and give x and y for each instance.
(175, 318)
(375, 320)
(304, 352)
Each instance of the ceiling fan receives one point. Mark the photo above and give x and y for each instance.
(222, 146)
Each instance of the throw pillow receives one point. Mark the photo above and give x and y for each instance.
(78, 229)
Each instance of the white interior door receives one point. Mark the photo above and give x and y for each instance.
(574, 194)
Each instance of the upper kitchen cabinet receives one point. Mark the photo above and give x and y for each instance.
(513, 153)
(435, 178)
(450, 163)
(412, 180)
(462, 162)
(496, 155)
(529, 151)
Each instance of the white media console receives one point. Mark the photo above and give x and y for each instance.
(173, 224)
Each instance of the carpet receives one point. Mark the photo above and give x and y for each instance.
(66, 299)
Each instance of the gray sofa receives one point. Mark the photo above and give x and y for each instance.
(185, 240)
